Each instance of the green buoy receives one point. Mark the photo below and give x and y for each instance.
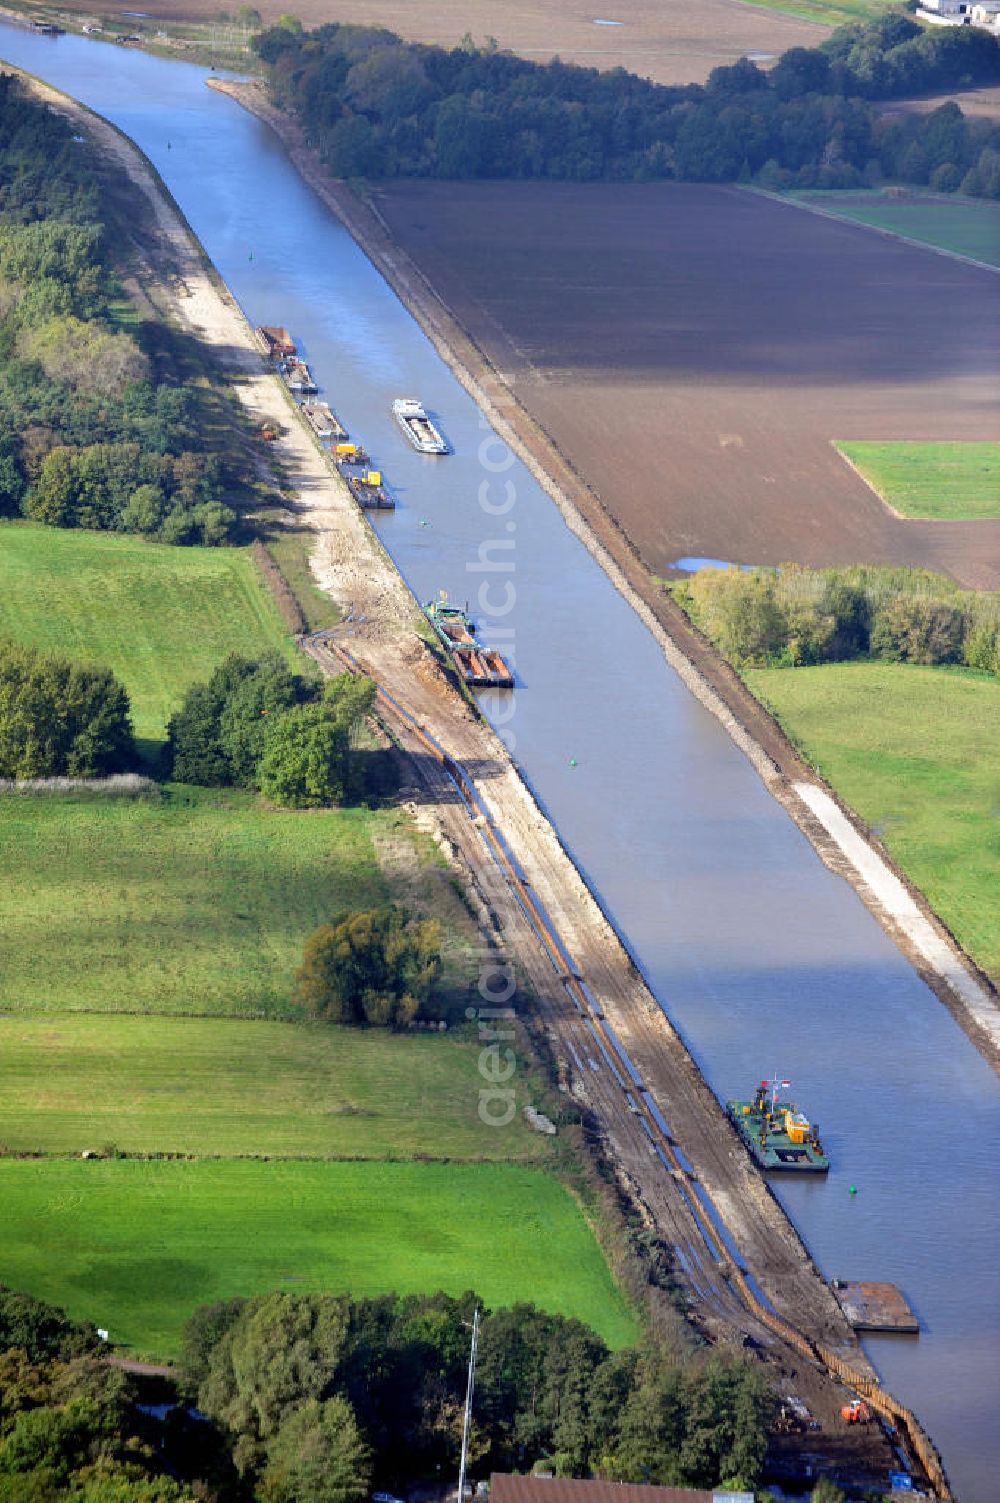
(572, 761)
(853, 1190)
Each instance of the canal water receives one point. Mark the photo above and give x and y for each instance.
(764, 960)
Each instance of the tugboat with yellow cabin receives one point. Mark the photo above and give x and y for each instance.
(777, 1134)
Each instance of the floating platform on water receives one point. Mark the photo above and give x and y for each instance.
(298, 376)
(323, 421)
(275, 341)
(777, 1134)
(346, 455)
(369, 492)
(482, 668)
(875, 1307)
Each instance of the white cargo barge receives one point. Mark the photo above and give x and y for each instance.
(417, 426)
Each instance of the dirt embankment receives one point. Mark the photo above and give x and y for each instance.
(844, 843)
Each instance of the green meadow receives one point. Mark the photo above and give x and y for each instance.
(915, 751)
(958, 480)
(224, 1088)
(160, 617)
(968, 226)
(134, 1245)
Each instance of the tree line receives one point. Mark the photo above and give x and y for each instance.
(794, 615)
(99, 427)
(378, 107)
(322, 1397)
(319, 1398)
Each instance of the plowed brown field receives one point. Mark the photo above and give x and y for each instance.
(671, 41)
(693, 351)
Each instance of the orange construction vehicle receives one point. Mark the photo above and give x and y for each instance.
(856, 1413)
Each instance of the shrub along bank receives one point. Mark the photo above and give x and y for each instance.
(793, 615)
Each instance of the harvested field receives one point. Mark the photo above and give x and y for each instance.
(667, 40)
(695, 350)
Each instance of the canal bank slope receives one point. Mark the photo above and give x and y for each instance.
(841, 839)
(737, 1254)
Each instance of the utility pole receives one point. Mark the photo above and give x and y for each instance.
(467, 1424)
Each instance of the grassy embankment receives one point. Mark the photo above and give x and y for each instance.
(968, 226)
(914, 751)
(957, 480)
(198, 901)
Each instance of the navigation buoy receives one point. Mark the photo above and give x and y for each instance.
(853, 1190)
(572, 761)
(424, 523)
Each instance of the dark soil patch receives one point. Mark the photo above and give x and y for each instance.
(693, 351)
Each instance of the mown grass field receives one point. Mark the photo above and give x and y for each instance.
(134, 1245)
(932, 480)
(231, 1088)
(916, 751)
(971, 227)
(197, 901)
(162, 618)
(825, 12)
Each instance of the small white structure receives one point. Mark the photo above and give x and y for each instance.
(982, 13)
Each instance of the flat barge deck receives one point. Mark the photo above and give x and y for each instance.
(777, 1134)
(324, 421)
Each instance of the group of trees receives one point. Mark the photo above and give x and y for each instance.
(69, 1429)
(375, 967)
(794, 615)
(323, 1396)
(376, 106)
(95, 432)
(58, 718)
(256, 724)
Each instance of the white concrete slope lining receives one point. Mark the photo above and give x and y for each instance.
(896, 902)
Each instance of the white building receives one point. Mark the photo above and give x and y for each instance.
(984, 13)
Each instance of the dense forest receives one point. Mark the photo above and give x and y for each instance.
(378, 107)
(794, 615)
(98, 426)
(318, 1398)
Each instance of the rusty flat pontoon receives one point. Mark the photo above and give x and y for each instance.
(275, 341)
(875, 1307)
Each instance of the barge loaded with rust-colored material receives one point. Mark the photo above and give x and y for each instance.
(275, 341)
(480, 667)
(776, 1132)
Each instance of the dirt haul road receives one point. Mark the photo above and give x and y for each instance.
(351, 564)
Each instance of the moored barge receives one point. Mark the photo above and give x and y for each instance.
(324, 421)
(297, 374)
(368, 490)
(480, 667)
(417, 426)
(777, 1134)
(275, 341)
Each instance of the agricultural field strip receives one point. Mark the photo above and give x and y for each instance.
(133, 1245)
(929, 480)
(878, 229)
